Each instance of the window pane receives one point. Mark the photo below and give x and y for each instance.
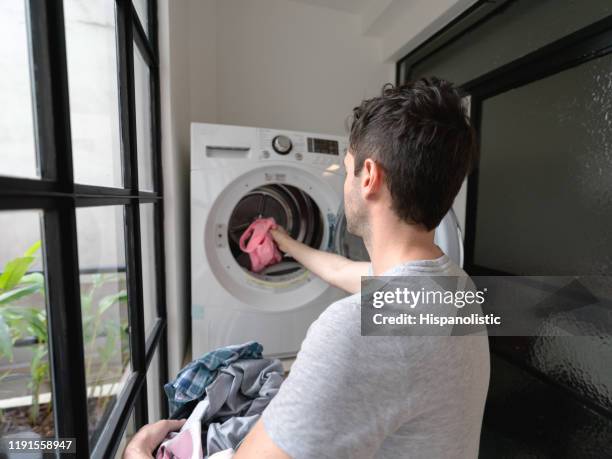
(154, 388)
(544, 175)
(94, 101)
(142, 88)
(141, 8)
(17, 151)
(149, 287)
(25, 389)
(100, 233)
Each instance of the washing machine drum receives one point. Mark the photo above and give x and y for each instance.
(291, 208)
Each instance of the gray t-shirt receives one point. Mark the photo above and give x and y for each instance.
(357, 396)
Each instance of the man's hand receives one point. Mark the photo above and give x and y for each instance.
(150, 437)
(282, 238)
(335, 269)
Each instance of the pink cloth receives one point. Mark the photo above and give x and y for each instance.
(187, 444)
(261, 247)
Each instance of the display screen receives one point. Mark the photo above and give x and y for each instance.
(324, 146)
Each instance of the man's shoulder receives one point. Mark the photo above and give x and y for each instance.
(347, 308)
(339, 322)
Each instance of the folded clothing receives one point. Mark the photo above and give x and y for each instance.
(190, 383)
(261, 247)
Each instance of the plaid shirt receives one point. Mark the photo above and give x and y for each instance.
(190, 384)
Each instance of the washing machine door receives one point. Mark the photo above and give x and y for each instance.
(346, 244)
(447, 236)
(291, 207)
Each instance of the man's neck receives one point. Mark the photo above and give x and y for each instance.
(391, 242)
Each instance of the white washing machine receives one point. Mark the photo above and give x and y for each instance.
(238, 174)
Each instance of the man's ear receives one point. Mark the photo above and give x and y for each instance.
(371, 178)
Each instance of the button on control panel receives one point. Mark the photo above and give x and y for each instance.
(282, 144)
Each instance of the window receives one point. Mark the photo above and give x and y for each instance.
(489, 35)
(16, 125)
(25, 393)
(82, 306)
(91, 52)
(540, 100)
(564, 125)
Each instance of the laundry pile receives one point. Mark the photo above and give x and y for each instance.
(261, 247)
(223, 393)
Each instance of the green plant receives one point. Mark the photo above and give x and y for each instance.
(18, 322)
(94, 327)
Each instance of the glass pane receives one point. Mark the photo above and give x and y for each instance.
(149, 287)
(25, 389)
(17, 151)
(545, 173)
(141, 8)
(128, 433)
(144, 139)
(93, 88)
(515, 32)
(154, 388)
(100, 233)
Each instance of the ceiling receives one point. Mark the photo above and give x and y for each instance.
(401, 25)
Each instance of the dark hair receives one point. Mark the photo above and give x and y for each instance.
(421, 136)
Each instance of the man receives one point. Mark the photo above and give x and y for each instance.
(357, 396)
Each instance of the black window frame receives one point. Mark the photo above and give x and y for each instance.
(588, 43)
(471, 18)
(579, 47)
(57, 195)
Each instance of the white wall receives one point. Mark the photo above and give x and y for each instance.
(202, 52)
(181, 55)
(402, 25)
(291, 65)
(274, 63)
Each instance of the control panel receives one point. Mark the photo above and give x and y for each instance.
(313, 149)
(323, 146)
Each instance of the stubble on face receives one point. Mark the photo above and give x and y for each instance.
(356, 215)
(354, 208)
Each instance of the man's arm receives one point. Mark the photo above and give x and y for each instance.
(258, 444)
(332, 268)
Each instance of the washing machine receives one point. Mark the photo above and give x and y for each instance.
(239, 174)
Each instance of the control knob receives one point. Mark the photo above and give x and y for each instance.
(282, 144)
